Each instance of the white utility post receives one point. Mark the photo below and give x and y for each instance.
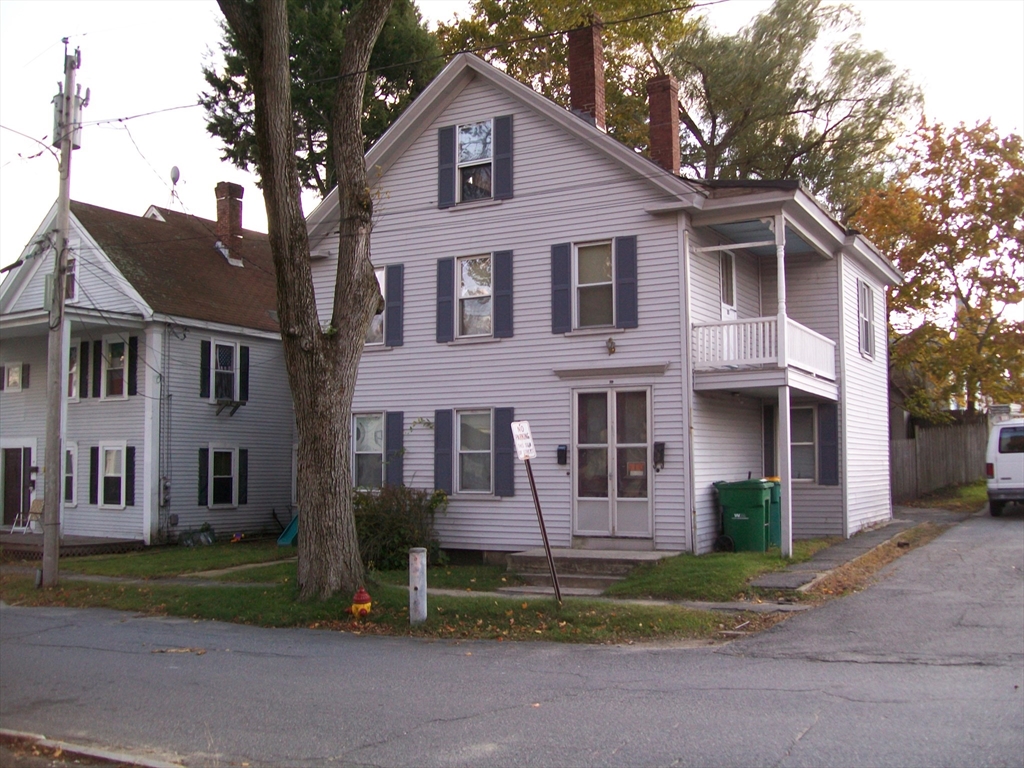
(784, 443)
(56, 350)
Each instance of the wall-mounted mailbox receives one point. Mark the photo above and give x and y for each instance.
(563, 455)
(659, 457)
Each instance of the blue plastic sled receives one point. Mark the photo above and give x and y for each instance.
(290, 536)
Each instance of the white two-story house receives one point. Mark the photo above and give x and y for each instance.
(176, 410)
(658, 334)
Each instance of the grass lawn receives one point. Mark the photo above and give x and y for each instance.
(161, 562)
(580, 621)
(956, 498)
(716, 577)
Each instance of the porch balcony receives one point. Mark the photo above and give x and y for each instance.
(744, 354)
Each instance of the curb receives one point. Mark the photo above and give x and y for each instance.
(8, 736)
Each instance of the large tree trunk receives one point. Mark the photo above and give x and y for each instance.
(322, 362)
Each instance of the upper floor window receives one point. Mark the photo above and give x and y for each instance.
(14, 377)
(69, 280)
(474, 291)
(594, 285)
(474, 161)
(224, 371)
(375, 333)
(115, 353)
(866, 316)
(73, 353)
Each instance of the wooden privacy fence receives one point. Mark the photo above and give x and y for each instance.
(939, 456)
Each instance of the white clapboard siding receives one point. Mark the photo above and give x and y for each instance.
(865, 383)
(92, 421)
(564, 192)
(264, 426)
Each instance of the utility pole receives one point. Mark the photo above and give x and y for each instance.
(68, 124)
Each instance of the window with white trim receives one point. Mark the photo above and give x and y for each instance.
(70, 473)
(594, 285)
(727, 275)
(803, 447)
(12, 377)
(69, 280)
(474, 161)
(866, 317)
(223, 477)
(375, 333)
(473, 448)
(368, 450)
(112, 476)
(473, 276)
(225, 381)
(115, 354)
(73, 352)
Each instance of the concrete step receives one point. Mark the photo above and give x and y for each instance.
(568, 580)
(607, 563)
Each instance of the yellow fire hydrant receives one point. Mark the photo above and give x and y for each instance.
(361, 603)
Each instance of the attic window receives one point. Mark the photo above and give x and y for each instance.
(227, 254)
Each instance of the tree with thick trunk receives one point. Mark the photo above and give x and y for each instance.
(322, 361)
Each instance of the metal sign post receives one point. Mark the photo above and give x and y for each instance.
(526, 451)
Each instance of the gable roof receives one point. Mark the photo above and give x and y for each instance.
(443, 90)
(172, 263)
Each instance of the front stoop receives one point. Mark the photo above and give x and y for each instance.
(583, 571)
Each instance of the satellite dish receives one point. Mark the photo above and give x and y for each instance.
(175, 174)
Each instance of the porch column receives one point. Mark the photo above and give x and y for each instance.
(151, 435)
(780, 262)
(785, 473)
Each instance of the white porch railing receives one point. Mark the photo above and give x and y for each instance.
(810, 351)
(755, 341)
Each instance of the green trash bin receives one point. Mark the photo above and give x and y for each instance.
(746, 508)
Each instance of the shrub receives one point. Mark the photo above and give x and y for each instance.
(393, 519)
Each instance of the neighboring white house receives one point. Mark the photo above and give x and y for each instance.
(177, 410)
(658, 334)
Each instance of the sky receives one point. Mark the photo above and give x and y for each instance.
(145, 57)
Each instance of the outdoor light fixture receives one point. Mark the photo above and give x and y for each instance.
(659, 457)
(610, 345)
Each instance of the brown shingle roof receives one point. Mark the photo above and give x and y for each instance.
(175, 267)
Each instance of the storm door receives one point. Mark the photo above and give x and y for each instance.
(17, 493)
(612, 463)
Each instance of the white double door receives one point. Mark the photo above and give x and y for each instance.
(612, 463)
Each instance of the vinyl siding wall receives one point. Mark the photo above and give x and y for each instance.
(564, 192)
(264, 426)
(865, 383)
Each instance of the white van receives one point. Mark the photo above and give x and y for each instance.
(1004, 465)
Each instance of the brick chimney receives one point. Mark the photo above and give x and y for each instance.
(229, 213)
(663, 98)
(586, 72)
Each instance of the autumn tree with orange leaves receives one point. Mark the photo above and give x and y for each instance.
(952, 220)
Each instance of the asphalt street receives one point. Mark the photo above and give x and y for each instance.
(925, 668)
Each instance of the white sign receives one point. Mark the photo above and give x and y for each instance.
(524, 440)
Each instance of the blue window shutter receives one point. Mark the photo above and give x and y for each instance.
(502, 272)
(443, 451)
(133, 365)
(83, 370)
(3, 378)
(504, 453)
(129, 476)
(97, 368)
(394, 432)
(94, 475)
(446, 166)
(24, 375)
(445, 300)
(768, 435)
(502, 158)
(204, 476)
(393, 305)
(828, 444)
(243, 476)
(26, 481)
(204, 369)
(243, 373)
(561, 288)
(625, 282)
